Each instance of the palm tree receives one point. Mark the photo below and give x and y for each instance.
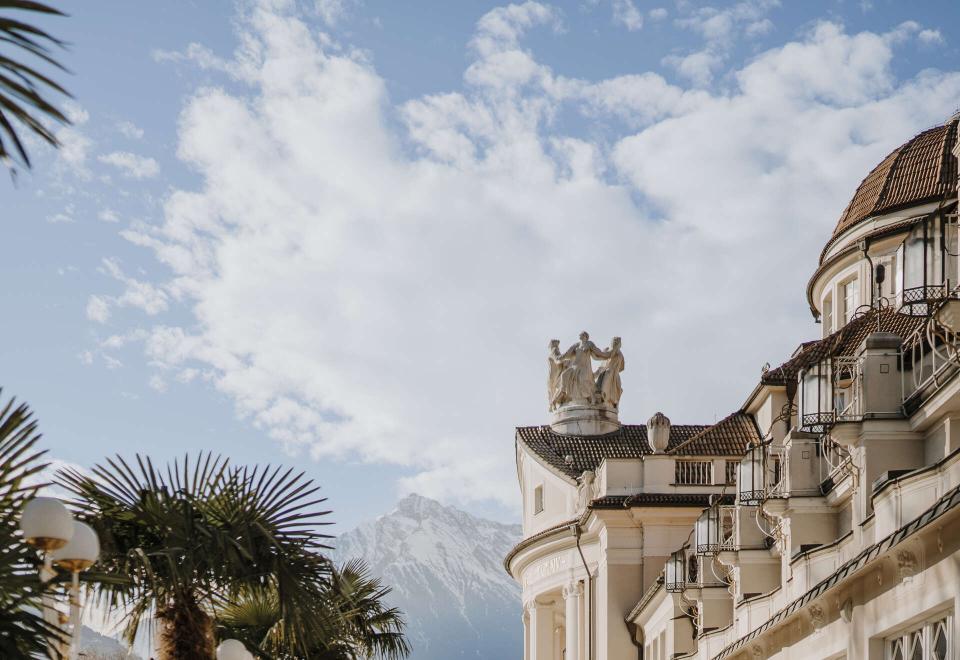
(191, 537)
(365, 627)
(23, 631)
(23, 87)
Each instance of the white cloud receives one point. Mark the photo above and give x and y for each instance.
(358, 300)
(930, 37)
(86, 358)
(625, 13)
(331, 11)
(112, 362)
(720, 30)
(500, 29)
(98, 309)
(658, 14)
(60, 218)
(157, 383)
(131, 165)
(137, 293)
(698, 67)
(130, 130)
(108, 215)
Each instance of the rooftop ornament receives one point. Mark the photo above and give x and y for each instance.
(584, 401)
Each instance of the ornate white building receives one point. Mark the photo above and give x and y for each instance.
(822, 519)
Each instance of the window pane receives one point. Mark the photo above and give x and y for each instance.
(940, 641)
(916, 639)
(898, 650)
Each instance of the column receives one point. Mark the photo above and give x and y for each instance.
(525, 618)
(541, 631)
(571, 598)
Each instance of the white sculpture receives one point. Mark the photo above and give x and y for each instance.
(585, 490)
(555, 368)
(608, 375)
(571, 379)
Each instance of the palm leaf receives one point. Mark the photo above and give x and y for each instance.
(197, 533)
(23, 88)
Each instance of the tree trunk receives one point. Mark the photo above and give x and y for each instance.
(185, 632)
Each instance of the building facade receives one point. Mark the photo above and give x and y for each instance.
(821, 519)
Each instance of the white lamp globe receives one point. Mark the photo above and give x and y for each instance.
(232, 649)
(46, 523)
(81, 552)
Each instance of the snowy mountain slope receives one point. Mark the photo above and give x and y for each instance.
(445, 567)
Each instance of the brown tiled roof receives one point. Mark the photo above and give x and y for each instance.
(728, 437)
(844, 341)
(921, 170)
(589, 451)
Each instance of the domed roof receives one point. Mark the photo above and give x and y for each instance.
(922, 169)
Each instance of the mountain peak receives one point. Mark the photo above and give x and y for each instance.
(445, 569)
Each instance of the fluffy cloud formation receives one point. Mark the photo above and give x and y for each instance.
(367, 291)
(626, 14)
(131, 165)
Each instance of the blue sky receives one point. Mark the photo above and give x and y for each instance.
(339, 234)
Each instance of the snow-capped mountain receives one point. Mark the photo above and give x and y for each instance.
(94, 646)
(445, 568)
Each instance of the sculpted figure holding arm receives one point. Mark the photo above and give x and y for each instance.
(608, 375)
(577, 378)
(555, 394)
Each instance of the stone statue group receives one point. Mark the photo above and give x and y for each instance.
(571, 378)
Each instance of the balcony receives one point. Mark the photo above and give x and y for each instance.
(931, 355)
(919, 300)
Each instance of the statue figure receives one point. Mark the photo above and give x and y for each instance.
(576, 380)
(555, 365)
(585, 490)
(608, 375)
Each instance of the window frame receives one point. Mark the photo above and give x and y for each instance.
(538, 499)
(927, 630)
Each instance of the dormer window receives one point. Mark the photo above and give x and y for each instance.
(538, 500)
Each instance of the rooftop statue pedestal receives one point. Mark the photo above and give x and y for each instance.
(582, 419)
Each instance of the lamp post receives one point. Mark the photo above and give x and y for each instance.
(78, 555)
(48, 526)
(233, 649)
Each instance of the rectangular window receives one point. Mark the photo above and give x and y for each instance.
(851, 299)
(928, 641)
(827, 316)
(694, 473)
(537, 500)
(731, 470)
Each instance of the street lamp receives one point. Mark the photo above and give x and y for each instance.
(78, 555)
(233, 649)
(48, 526)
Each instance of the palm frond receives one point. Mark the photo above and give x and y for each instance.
(23, 87)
